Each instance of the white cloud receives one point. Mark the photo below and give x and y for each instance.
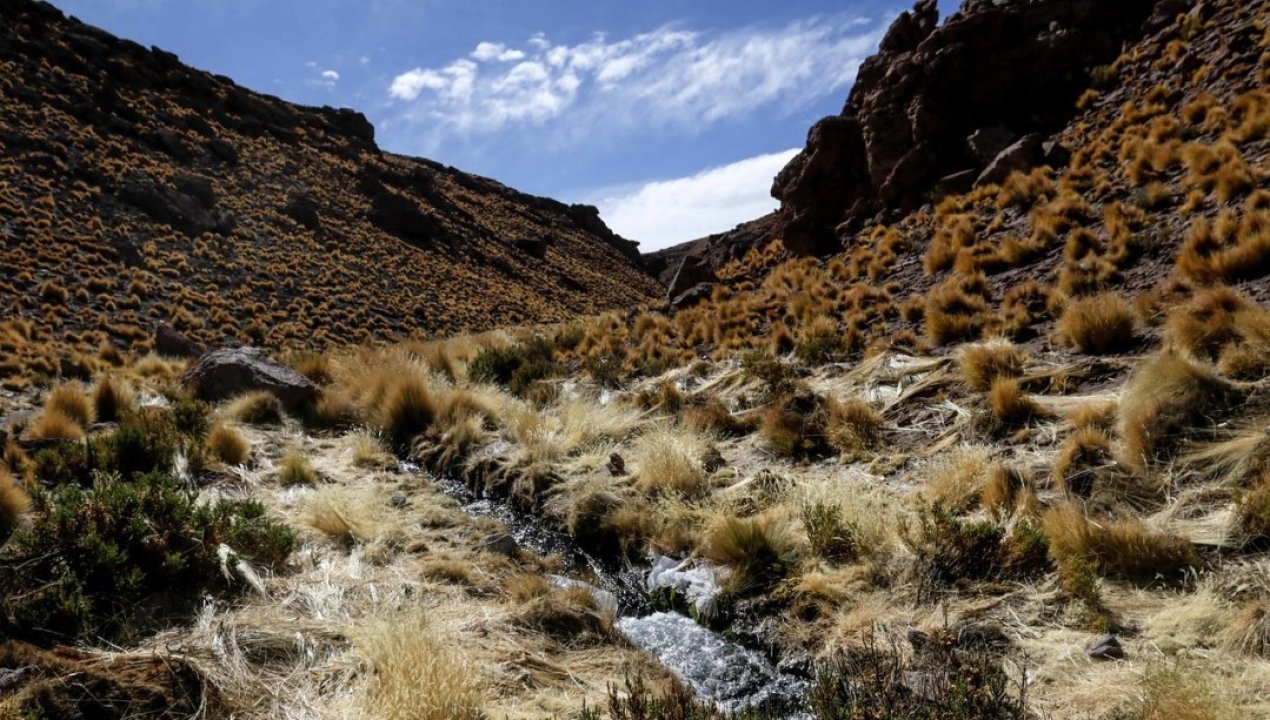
(666, 212)
(330, 75)
(670, 77)
(321, 78)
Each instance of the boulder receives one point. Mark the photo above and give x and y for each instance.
(174, 207)
(691, 296)
(1022, 156)
(302, 208)
(988, 142)
(1105, 647)
(500, 544)
(169, 342)
(693, 270)
(402, 217)
(222, 374)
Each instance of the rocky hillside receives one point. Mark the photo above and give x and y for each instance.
(136, 190)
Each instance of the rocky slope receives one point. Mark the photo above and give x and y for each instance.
(939, 109)
(135, 189)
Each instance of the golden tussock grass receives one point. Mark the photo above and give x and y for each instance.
(1166, 400)
(415, 673)
(228, 445)
(1096, 325)
(714, 418)
(569, 615)
(1122, 548)
(367, 450)
(668, 460)
(313, 365)
(957, 309)
(1096, 415)
(1178, 693)
(1218, 323)
(407, 409)
(853, 428)
(13, 503)
(1083, 458)
(1010, 405)
(259, 407)
(71, 401)
(1006, 489)
(982, 363)
(1248, 630)
(1233, 247)
(295, 469)
(340, 516)
(956, 479)
(759, 550)
(1253, 513)
(55, 425)
(112, 399)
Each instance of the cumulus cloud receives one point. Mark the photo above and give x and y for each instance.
(321, 77)
(670, 77)
(666, 212)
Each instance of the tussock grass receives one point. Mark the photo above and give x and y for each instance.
(668, 459)
(1175, 693)
(259, 407)
(368, 451)
(13, 503)
(956, 479)
(112, 399)
(853, 428)
(1097, 325)
(228, 445)
(715, 418)
(758, 551)
(407, 409)
(982, 363)
(569, 615)
(1224, 326)
(1006, 489)
(339, 516)
(1010, 406)
(1167, 400)
(295, 469)
(53, 424)
(1248, 630)
(1083, 459)
(415, 673)
(71, 401)
(1121, 548)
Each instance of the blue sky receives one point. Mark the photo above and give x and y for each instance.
(672, 116)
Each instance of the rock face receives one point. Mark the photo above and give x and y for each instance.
(717, 249)
(939, 101)
(222, 374)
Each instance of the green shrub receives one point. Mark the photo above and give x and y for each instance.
(831, 537)
(950, 549)
(191, 417)
(517, 367)
(120, 559)
(605, 369)
(144, 443)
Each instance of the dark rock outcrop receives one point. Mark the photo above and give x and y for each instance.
(717, 249)
(225, 373)
(995, 69)
(168, 342)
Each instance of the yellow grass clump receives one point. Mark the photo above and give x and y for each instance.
(228, 445)
(1123, 548)
(71, 401)
(13, 503)
(415, 674)
(1168, 399)
(668, 459)
(1099, 324)
(982, 363)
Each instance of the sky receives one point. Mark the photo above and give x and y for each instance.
(672, 116)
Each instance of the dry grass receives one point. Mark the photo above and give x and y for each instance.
(341, 516)
(1220, 324)
(295, 469)
(112, 399)
(854, 428)
(1097, 325)
(668, 460)
(228, 445)
(956, 479)
(260, 407)
(570, 615)
(1123, 548)
(1006, 489)
(757, 550)
(406, 411)
(13, 503)
(982, 363)
(1172, 693)
(1083, 459)
(1010, 406)
(1248, 630)
(416, 674)
(367, 450)
(71, 401)
(1167, 400)
(55, 425)
(958, 309)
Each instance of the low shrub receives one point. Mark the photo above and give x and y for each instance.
(14, 502)
(119, 559)
(949, 549)
(831, 537)
(516, 367)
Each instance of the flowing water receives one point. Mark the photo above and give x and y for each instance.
(716, 668)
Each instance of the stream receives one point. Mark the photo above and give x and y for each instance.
(717, 669)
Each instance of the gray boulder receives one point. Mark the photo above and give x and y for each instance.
(221, 374)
